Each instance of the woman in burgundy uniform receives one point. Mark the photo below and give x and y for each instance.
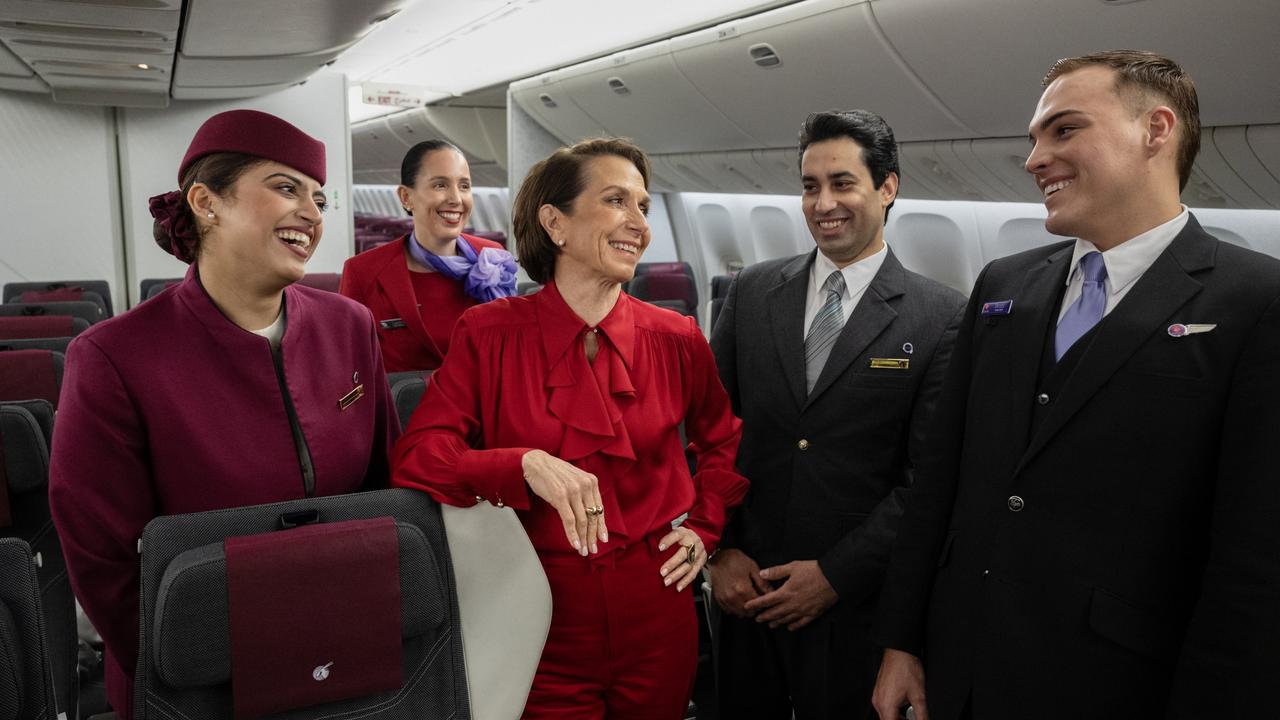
(566, 405)
(236, 387)
(418, 285)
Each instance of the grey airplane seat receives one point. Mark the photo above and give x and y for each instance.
(31, 375)
(98, 291)
(31, 327)
(26, 429)
(151, 287)
(192, 600)
(26, 682)
(89, 310)
(53, 344)
(407, 389)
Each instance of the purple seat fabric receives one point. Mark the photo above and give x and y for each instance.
(322, 281)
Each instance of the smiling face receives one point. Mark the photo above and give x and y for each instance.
(265, 227)
(844, 210)
(1091, 157)
(606, 233)
(440, 198)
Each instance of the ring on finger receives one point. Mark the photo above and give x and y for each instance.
(595, 511)
(691, 553)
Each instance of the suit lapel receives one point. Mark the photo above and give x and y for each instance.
(786, 320)
(395, 283)
(869, 318)
(1166, 286)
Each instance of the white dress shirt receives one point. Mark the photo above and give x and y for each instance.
(857, 277)
(1125, 262)
(274, 332)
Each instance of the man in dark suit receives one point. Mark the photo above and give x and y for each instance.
(1095, 526)
(833, 360)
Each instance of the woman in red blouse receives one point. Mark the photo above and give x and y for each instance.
(566, 405)
(418, 285)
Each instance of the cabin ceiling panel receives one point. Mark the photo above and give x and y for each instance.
(1264, 143)
(254, 28)
(11, 66)
(23, 84)
(832, 55)
(641, 94)
(985, 60)
(1003, 159)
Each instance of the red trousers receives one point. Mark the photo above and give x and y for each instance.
(622, 645)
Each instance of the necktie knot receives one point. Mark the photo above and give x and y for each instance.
(834, 284)
(1093, 268)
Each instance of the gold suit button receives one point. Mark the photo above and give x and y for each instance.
(803, 444)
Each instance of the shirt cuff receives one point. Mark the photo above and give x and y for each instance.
(496, 476)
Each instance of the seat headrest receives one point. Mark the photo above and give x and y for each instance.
(192, 637)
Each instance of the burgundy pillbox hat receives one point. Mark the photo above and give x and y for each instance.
(259, 134)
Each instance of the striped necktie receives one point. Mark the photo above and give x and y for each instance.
(824, 330)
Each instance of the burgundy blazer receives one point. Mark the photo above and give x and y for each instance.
(379, 279)
(171, 408)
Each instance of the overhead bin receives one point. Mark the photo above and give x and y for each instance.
(378, 147)
(118, 53)
(546, 101)
(292, 39)
(641, 94)
(481, 132)
(830, 54)
(986, 65)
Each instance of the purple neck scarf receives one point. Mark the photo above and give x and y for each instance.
(487, 275)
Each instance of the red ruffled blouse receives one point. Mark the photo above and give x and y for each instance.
(517, 378)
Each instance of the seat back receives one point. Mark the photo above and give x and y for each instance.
(25, 432)
(95, 290)
(30, 375)
(40, 326)
(407, 389)
(664, 286)
(152, 287)
(26, 683)
(89, 310)
(185, 663)
(56, 344)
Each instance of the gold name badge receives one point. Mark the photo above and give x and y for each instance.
(349, 399)
(890, 363)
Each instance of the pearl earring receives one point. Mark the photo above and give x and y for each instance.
(210, 215)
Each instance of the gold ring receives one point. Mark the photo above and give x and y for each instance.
(691, 555)
(597, 510)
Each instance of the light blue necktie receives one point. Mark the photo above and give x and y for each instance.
(1087, 310)
(824, 330)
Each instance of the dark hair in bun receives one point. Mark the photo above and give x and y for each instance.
(176, 229)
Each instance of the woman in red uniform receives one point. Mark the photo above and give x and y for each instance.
(566, 405)
(418, 285)
(235, 387)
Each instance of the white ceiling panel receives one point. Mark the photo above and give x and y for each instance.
(238, 71)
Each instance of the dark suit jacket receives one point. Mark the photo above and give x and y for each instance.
(828, 469)
(1140, 573)
(379, 279)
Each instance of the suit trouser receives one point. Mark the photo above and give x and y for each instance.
(826, 669)
(621, 645)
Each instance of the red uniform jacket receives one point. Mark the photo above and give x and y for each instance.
(379, 279)
(172, 408)
(517, 378)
